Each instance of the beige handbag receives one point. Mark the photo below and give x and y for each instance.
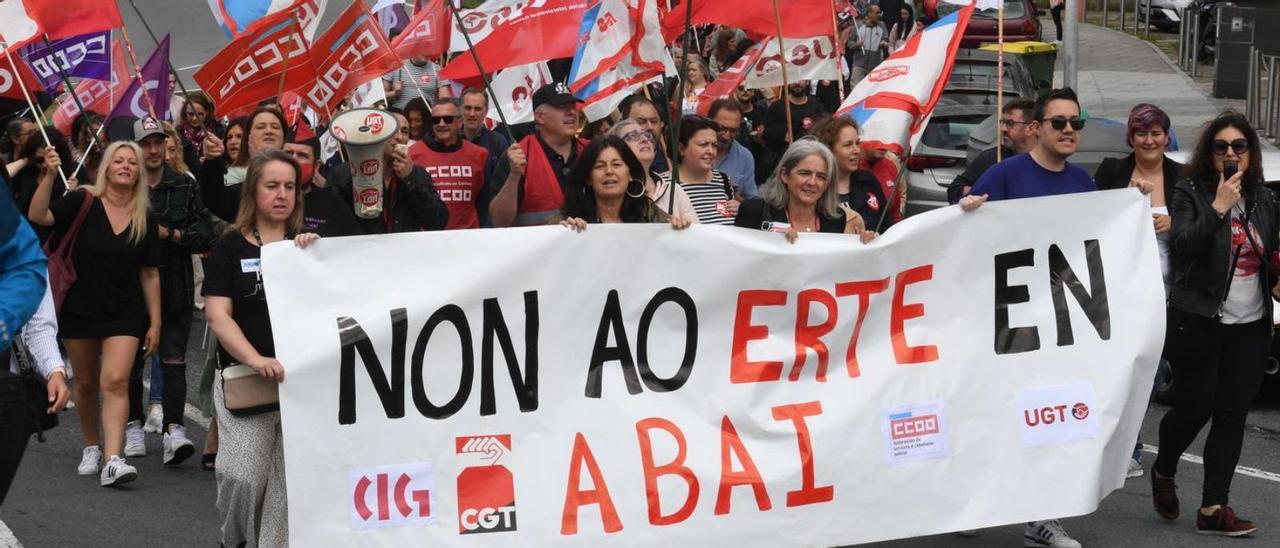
(246, 393)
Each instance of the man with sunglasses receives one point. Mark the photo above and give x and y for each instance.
(1044, 170)
(456, 166)
(1018, 138)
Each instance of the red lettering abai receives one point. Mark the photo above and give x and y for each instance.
(457, 173)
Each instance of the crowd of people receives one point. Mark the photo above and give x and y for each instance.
(162, 218)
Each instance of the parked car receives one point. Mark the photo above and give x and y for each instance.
(1021, 22)
(1165, 14)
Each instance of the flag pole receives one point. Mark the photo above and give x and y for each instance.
(786, 87)
(137, 71)
(71, 90)
(835, 50)
(488, 85)
(172, 70)
(18, 81)
(675, 124)
(1000, 82)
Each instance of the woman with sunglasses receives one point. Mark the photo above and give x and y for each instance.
(667, 197)
(1224, 243)
(800, 197)
(605, 187)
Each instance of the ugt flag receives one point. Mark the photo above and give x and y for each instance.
(894, 101)
(236, 16)
(84, 56)
(620, 49)
(155, 82)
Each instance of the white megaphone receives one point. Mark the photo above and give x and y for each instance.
(362, 132)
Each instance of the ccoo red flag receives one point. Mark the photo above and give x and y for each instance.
(427, 34)
(67, 18)
(11, 87)
(351, 53)
(799, 18)
(537, 32)
(251, 67)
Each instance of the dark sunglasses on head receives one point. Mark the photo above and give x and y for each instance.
(1239, 146)
(1059, 123)
(446, 119)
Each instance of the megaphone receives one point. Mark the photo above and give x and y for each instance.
(362, 132)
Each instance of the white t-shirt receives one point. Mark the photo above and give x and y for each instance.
(1245, 298)
(1162, 244)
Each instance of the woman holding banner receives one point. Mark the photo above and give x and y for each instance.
(603, 189)
(1220, 318)
(799, 197)
(857, 188)
(250, 462)
(644, 145)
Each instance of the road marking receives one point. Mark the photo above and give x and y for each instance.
(7, 540)
(191, 412)
(1242, 470)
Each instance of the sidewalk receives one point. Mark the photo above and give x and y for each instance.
(1117, 71)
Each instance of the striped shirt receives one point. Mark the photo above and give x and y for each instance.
(427, 77)
(708, 198)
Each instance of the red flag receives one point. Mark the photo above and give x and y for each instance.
(427, 34)
(729, 80)
(250, 68)
(96, 95)
(67, 18)
(351, 53)
(9, 86)
(800, 18)
(538, 33)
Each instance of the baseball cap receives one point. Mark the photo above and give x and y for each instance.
(146, 127)
(556, 94)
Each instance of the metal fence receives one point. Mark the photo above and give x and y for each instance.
(1262, 96)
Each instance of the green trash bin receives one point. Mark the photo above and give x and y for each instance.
(1038, 56)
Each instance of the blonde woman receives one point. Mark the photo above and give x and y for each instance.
(114, 304)
(250, 461)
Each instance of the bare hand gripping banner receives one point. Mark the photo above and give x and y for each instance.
(640, 386)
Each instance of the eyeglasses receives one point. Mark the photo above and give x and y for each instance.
(637, 136)
(443, 119)
(1009, 123)
(1239, 146)
(1059, 123)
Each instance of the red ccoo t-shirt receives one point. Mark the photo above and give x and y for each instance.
(458, 175)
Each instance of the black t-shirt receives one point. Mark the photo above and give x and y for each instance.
(108, 266)
(234, 271)
(324, 213)
(755, 213)
(866, 197)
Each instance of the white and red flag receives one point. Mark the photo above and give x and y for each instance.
(620, 49)
(507, 33)
(894, 101)
(730, 79)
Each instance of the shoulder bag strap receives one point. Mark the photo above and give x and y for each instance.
(69, 237)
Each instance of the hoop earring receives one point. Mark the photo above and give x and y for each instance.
(639, 183)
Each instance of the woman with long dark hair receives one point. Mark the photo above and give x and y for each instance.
(1224, 241)
(607, 186)
(198, 120)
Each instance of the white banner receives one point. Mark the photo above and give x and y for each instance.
(641, 386)
(807, 59)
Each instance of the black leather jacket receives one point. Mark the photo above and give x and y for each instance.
(1201, 248)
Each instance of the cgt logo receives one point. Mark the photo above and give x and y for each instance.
(391, 496)
(486, 489)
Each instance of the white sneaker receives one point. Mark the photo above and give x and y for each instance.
(1135, 469)
(90, 461)
(135, 440)
(155, 420)
(176, 445)
(1047, 534)
(116, 472)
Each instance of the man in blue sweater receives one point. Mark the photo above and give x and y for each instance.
(1044, 170)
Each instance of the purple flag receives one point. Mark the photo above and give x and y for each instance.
(392, 16)
(156, 74)
(83, 56)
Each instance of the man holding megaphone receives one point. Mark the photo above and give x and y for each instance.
(379, 182)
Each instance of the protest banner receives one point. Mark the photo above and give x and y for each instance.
(352, 52)
(634, 385)
(84, 56)
(807, 59)
(251, 67)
